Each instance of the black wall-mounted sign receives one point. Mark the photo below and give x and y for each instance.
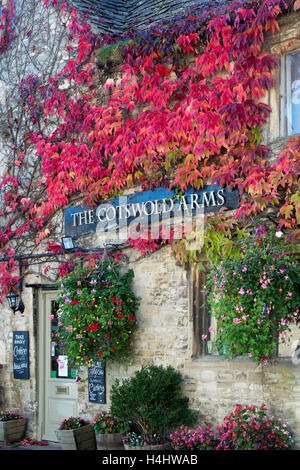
(97, 383)
(147, 206)
(21, 355)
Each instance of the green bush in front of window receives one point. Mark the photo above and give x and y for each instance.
(151, 402)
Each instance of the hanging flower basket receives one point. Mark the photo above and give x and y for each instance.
(255, 297)
(96, 315)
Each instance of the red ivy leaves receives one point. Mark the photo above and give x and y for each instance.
(200, 119)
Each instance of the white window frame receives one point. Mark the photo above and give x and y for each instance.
(285, 95)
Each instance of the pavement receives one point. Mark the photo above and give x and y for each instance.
(31, 446)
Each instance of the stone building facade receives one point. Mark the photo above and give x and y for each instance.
(166, 335)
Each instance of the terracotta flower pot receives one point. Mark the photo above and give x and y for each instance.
(109, 441)
(12, 430)
(82, 438)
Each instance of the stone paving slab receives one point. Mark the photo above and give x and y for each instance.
(50, 446)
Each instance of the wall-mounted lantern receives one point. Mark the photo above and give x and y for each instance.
(16, 306)
(68, 243)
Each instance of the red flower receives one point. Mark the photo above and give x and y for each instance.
(93, 327)
(107, 335)
(112, 350)
(100, 353)
(74, 302)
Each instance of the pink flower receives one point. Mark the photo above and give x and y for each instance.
(109, 84)
(210, 329)
(204, 337)
(237, 320)
(79, 292)
(241, 291)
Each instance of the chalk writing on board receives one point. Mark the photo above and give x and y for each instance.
(96, 383)
(21, 354)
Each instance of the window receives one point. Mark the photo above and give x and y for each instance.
(290, 94)
(202, 339)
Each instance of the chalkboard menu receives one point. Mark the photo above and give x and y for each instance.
(21, 354)
(96, 383)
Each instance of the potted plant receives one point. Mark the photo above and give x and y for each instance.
(135, 441)
(12, 426)
(75, 433)
(109, 431)
(185, 439)
(150, 403)
(251, 428)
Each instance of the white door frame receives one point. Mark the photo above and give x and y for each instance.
(44, 297)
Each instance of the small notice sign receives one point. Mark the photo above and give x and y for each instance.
(62, 366)
(21, 355)
(96, 383)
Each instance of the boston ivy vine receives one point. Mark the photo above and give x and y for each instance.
(184, 109)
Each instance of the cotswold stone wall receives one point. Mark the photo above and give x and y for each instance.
(19, 395)
(165, 337)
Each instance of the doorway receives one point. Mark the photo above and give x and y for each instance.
(58, 388)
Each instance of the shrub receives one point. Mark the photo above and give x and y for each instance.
(106, 423)
(187, 439)
(152, 401)
(250, 428)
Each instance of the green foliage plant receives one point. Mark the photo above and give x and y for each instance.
(151, 400)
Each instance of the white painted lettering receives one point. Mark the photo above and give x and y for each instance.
(113, 210)
(194, 198)
(207, 200)
(220, 196)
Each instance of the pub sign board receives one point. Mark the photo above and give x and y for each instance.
(146, 206)
(21, 355)
(97, 383)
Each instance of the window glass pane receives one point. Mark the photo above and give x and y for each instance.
(295, 93)
(60, 368)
